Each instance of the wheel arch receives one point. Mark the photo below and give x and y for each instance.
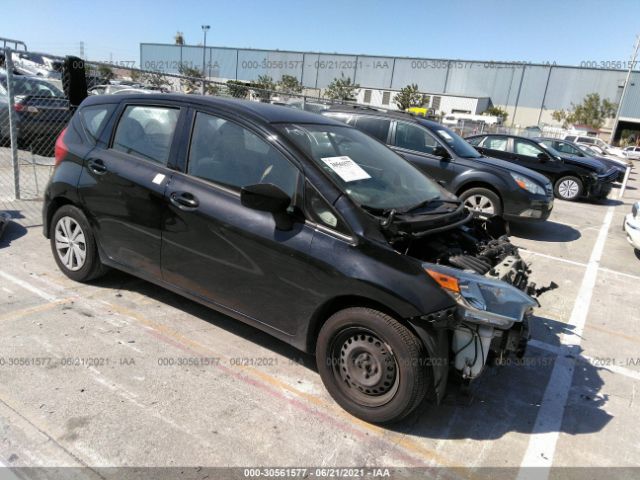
(479, 184)
(54, 205)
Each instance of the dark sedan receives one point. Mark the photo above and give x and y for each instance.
(487, 186)
(40, 109)
(298, 225)
(572, 177)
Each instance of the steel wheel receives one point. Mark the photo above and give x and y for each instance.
(365, 367)
(70, 243)
(568, 188)
(480, 204)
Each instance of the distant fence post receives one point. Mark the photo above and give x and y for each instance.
(8, 62)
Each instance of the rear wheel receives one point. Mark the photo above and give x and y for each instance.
(482, 202)
(372, 365)
(568, 188)
(74, 246)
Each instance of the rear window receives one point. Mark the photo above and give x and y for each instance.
(94, 117)
(495, 143)
(146, 132)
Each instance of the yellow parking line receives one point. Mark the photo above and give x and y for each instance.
(400, 440)
(16, 314)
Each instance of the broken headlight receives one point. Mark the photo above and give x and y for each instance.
(483, 300)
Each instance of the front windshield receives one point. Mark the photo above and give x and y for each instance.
(456, 142)
(367, 171)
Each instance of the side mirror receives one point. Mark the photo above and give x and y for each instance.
(442, 152)
(543, 157)
(267, 197)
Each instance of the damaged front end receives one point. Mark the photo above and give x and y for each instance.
(474, 261)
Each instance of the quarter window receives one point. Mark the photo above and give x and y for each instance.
(527, 149)
(319, 211)
(226, 153)
(146, 132)
(93, 118)
(413, 137)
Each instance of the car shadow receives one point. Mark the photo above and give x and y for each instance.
(12, 230)
(504, 399)
(548, 231)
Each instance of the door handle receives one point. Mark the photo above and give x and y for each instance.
(184, 200)
(97, 166)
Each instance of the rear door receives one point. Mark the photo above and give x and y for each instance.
(219, 250)
(496, 146)
(418, 146)
(123, 182)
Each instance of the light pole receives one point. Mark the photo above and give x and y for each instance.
(632, 65)
(204, 52)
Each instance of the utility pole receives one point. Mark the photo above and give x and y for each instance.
(205, 28)
(625, 86)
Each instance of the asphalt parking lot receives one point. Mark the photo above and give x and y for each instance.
(123, 373)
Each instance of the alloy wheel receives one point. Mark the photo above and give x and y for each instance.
(71, 245)
(480, 204)
(568, 188)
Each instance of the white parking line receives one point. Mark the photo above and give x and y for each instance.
(550, 257)
(27, 286)
(546, 430)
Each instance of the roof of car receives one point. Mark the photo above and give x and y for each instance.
(397, 114)
(264, 111)
(520, 137)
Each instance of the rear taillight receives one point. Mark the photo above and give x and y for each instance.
(61, 149)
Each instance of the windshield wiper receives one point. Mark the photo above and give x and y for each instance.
(428, 202)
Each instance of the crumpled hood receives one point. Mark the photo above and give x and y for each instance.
(588, 163)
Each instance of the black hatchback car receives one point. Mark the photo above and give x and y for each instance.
(298, 225)
(572, 177)
(485, 185)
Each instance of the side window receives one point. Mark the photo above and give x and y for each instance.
(588, 140)
(146, 132)
(376, 127)
(495, 143)
(527, 149)
(93, 118)
(563, 147)
(224, 152)
(416, 138)
(319, 211)
(570, 138)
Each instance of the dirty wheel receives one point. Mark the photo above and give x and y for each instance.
(372, 365)
(73, 245)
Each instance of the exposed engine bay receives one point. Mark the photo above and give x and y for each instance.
(477, 247)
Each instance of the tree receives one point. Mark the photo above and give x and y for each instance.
(497, 112)
(105, 73)
(179, 38)
(593, 112)
(264, 87)
(155, 79)
(237, 89)
(193, 84)
(409, 96)
(289, 84)
(342, 89)
(136, 75)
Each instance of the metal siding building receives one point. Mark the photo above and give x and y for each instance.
(529, 92)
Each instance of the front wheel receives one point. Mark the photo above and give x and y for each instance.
(372, 365)
(482, 202)
(74, 246)
(568, 188)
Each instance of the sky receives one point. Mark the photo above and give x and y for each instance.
(540, 31)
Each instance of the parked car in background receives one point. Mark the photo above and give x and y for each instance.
(595, 141)
(299, 225)
(570, 148)
(632, 153)
(40, 109)
(37, 64)
(485, 186)
(632, 226)
(572, 177)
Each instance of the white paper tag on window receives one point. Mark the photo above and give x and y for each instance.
(345, 168)
(158, 179)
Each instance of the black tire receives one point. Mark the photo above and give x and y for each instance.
(91, 268)
(568, 188)
(357, 342)
(471, 196)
